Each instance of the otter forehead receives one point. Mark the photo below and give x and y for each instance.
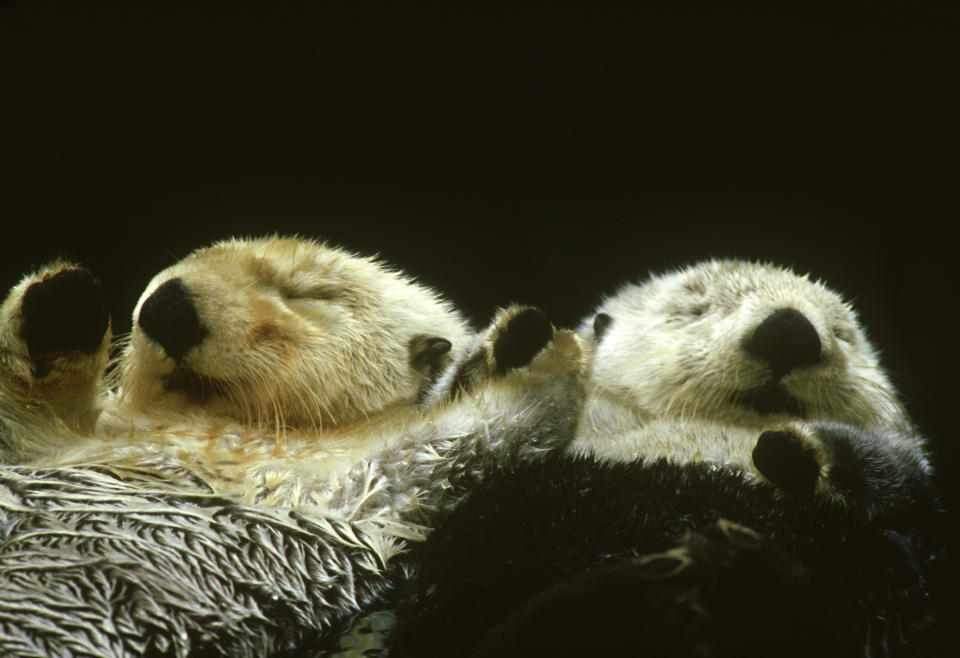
(286, 267)
(719, 300)
(717, 288)
(281, 275)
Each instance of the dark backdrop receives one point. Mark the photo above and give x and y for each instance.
(534, 153)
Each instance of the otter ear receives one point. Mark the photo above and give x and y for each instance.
(428, 355)
(600, 325)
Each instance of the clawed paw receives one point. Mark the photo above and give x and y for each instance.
(788, 460)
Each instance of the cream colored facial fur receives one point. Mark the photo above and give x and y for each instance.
(296, 334)
(672, 376)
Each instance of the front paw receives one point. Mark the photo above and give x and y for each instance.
(882, 472)
(511, 341)
(519, 340)
(55, 331)
(55, 345)
(63, 313)
(788, 460)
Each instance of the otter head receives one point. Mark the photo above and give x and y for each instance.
(284, 332)
(740, 343)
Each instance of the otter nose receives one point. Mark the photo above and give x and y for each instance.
(169, 317)
(785, 340)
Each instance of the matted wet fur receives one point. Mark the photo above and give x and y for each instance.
(281, 425)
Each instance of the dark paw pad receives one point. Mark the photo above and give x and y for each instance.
(62, 313)
(525, 334)
(786, 462)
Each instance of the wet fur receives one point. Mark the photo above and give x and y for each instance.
(325, 444)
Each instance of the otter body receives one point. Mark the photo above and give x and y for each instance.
(285, 417)
(743, 482)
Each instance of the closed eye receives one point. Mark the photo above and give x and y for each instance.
(843, 334)
(324, 293)
(684, 312)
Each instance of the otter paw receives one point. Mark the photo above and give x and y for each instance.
(787, 461)
(63, 312)
(521, 339)
(514, 338)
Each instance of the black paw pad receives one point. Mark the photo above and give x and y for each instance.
(525, 334)
(786, 462)
(65, 312)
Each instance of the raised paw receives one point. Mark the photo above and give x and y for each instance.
(63, 312)
(515, 338)
(788, 461)
(54, 348)
(523, 336)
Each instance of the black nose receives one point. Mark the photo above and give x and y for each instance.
(785, 340)
(169, 317)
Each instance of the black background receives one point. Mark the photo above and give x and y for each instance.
(536, 153)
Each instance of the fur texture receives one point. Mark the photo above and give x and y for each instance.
(575, 557)
(275, 439)
(54, 348)
(743, 482)
(696, 364)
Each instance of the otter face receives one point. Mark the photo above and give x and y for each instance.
(284, 332)
(740, 343)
